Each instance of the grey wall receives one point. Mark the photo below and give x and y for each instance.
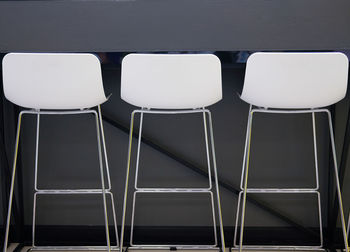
(281, 156)
(167, 25)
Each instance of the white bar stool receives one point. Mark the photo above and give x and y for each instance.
(292, 83)
(172, 84)
(57, 84)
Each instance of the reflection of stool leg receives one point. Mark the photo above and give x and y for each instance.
(342, 219)
(12, 182)
(348, 226)
(149, 190)
(103, 191)
(245, 189)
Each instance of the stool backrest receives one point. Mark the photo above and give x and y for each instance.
(295, 80)
(53, 80)
(165, 81)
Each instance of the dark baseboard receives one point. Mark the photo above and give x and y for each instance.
(95, 235)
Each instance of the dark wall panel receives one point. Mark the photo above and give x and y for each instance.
(169, 25)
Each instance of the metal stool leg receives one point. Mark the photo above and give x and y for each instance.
(104, 191)
(12, 182)
(317, 178)
(242, 177)
(140, 190)
(127, 180)
(102, 182)
(245, 189)
(340, 202)
(136, 180)
(216, 182)
(250, 121)
(172, 190)
(108, 174)
(35, 176)
(210, 178)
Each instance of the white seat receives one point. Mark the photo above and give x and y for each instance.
(295, 80)
(172, 84)
(53, 80)
(166, 81)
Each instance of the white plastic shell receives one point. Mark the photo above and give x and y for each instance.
(53, 80)
(171, 81)
(295, 80)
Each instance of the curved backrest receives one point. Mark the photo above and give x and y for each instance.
(166, 81)
(53, 80)
(295, 80)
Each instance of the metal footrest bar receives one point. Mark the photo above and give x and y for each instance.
(73, 248)
(278, 190)
(267, 247)
(172, 190)
(193, 247)
(77, 191)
